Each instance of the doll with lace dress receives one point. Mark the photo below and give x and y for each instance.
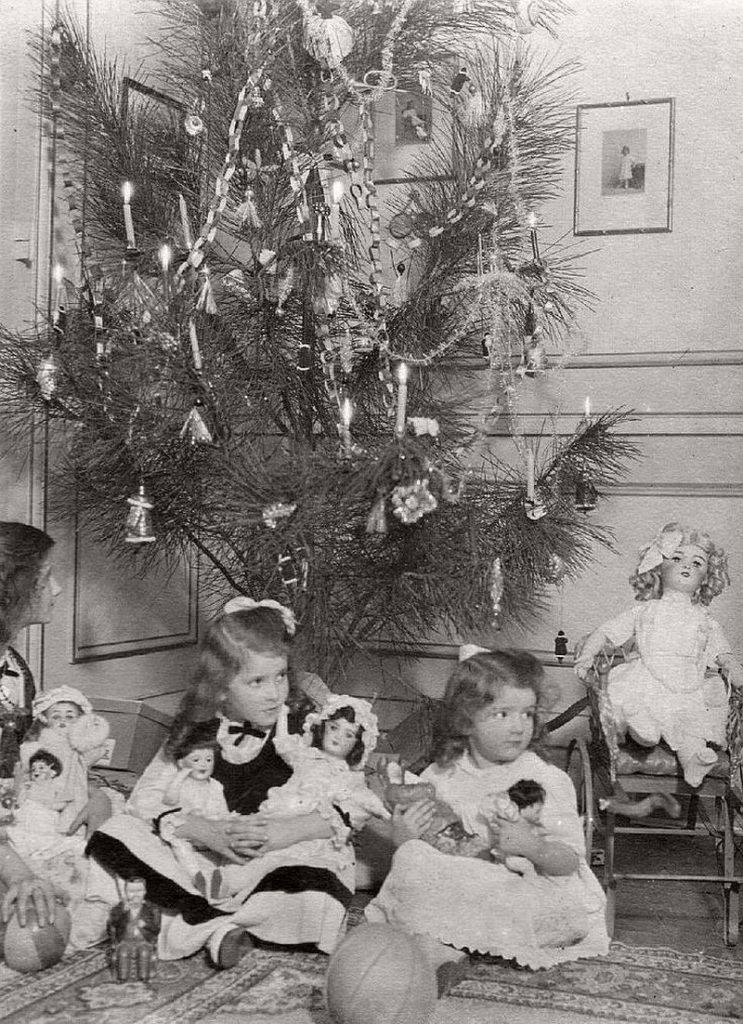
(328, 761)
(665, 691)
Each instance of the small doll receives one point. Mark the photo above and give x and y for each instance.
(65, 725)
(36, 833)
(523, 801)
(663, 690)
(133, 927)
(188, 788)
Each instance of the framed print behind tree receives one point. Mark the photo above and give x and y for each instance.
(624, 167)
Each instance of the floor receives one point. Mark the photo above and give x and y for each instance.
(685, 916)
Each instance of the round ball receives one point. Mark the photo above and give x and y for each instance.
(35, 946)
(379, 975)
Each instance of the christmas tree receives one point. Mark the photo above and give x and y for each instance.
(264, 355)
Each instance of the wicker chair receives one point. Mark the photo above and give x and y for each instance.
(626, 771)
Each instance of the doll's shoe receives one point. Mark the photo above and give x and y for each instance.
(227, 948)
(449, 974)
(699, 766)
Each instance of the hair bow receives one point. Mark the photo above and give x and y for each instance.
(246, 604)
(467, 651)
(662, 546)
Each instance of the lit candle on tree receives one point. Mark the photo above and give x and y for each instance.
(165, 258)
(530, 475)
(126, 191)
(587, 409)
(195, 350)
(346, 413)
(533, 222)
(185, 223)
(402, 399)
(59, 294)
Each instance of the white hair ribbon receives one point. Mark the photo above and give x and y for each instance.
(662, 546)
(247, 604)
(467, 651)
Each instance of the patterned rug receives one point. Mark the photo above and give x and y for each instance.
(270, 987)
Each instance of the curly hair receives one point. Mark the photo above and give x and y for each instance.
(46, 757)
(224, 651)
(347, 713)
(648, 586)
(23, 550)
(474, 684)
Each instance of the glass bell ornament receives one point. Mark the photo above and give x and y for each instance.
(139, 519)
(585, 494)
(194, 427)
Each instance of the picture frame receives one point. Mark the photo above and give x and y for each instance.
(406, 122)
(624, 167)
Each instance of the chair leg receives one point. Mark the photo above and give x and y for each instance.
(731, 889)
(610, 882)
(691, 813)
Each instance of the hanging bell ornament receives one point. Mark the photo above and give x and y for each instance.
(139, 519)
(194, 427)
(328, 40)
(557, 568)
(377, 521)
(585, 493)
(47, 376)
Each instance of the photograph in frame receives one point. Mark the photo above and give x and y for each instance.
(406, 123)
(624, 167)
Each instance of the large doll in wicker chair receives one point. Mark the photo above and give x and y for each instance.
(675, 679)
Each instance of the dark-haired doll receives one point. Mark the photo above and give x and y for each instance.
(523, 801)
(328, 777)
(187, 787)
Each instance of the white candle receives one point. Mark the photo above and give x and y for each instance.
(185, 225)
(402, 399)
(529, 475)
(165, 255)
(128, 222)
(59, 295)
(587, 408)
(195, 350)
(346, 413)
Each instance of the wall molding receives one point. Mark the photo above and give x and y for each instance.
(674, 489)
(673, 358)
(448, 652)
(680, 423)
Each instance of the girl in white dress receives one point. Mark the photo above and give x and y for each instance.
(664, 691)
(488, 723)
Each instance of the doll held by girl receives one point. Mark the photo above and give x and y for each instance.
(328, 762)
(664, 691)
(489, 720)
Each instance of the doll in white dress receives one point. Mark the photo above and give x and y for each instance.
(674, 686)
(328, 761)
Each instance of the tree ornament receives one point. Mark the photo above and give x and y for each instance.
(557, 568)
(527, 14)
(535, 359)
(205, 301)
(193, 125)
(412, 501)
(377, 521)
(279, 510)
(561, 645)
(47, 376)
(497, 586)
(585, 493)
(139, 518)
(247, 213)
(194, 427)
(328, 40)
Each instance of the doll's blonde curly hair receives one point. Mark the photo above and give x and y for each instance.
(648, 586)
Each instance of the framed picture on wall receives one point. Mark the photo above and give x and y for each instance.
(406, 122)
(624, 167)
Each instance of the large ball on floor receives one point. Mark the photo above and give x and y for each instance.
(35, 946)
(380, 975)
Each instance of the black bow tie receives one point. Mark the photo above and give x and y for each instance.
(246, 729)
(5, 671)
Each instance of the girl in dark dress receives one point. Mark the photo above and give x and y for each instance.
(240, 687)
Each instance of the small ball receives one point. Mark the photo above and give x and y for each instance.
(34, 947)
(380, 975)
